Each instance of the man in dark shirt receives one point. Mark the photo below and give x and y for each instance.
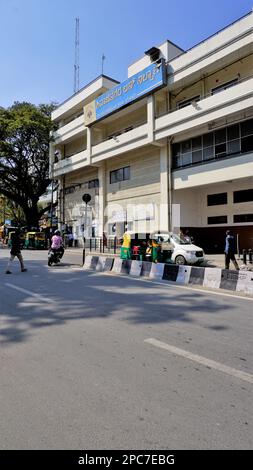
(16, 251)
(230, 250)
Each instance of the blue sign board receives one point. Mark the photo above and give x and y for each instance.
(140, 84)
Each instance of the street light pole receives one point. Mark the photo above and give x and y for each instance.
(86, 198)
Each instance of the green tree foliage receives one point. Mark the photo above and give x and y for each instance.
(24, 156)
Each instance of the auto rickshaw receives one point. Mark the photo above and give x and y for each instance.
(35, 240)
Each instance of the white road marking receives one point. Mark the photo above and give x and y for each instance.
(41, 298)
(177, 286)
(201, 360)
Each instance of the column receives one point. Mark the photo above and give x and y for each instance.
(151, 117)
(164, 190)
(102, 198)
(89, 144)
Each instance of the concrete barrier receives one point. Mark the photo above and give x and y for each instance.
(146, 268)
(136, 268)
(156, 271)
(197, 276)
(170, 272)
(245, 282)
(229, 279)
(240, 281)
(87, 263)
(212, 278)
(183, 275)
(126, 266)
(108, 264)
(100, 264)
(117, 265)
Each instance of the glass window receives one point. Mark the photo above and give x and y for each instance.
(197, 156)
(220, 150)
(186, 159)
(243, 218)
(186, 146)
(208, 140)
(247, 143)
(177, 162)
(196, 143)
(183, 104)
(245, 195)
(233, 132)
(208, 153)
(220, 136)
(93, 183)
(224, 86)
(247, 128)
(217, 199)
(121, 174)
(126, 173)
(175, 150)
(233, 147)
(220, 219)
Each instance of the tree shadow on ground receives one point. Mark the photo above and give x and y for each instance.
(65, 296)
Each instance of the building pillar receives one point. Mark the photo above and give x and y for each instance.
(101, 198)
(164, 190)
(89, 145)
(151, 117)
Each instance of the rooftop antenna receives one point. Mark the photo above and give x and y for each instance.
(76, 66)
(103, 58)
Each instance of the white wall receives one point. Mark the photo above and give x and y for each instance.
(194, 208)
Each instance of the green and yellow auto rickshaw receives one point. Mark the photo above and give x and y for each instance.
(35, 240)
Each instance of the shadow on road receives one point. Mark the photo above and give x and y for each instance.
(75, 294)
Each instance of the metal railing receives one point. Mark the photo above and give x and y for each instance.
(102, 245)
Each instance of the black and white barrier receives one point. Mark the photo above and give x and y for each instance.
(216, 278)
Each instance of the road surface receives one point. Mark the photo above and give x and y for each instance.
(97, 361)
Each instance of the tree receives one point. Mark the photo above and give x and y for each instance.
(12, 211)
(25, 134)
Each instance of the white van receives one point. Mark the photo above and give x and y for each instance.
(182, 250)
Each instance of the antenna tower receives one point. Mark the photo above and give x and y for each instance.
(76, 66)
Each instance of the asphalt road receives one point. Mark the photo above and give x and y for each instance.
(97, 361)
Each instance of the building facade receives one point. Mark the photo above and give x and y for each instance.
(168, 149)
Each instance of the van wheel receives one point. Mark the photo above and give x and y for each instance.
(180, 260)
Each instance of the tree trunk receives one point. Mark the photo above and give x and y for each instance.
(32, 216)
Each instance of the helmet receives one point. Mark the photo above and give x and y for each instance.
(57, 232)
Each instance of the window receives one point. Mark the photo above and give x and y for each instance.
(183, 104)
(217, 199)
(93, 183)
(243, 218)
(221, 143)
(122, 174)
(69, 190)
(245, 195)
(224, 86)
(220, 219)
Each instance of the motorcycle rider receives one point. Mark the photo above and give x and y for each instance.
(57, 243)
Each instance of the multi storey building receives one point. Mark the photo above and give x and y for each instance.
(171, 147)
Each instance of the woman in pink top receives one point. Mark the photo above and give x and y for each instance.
(57, 242)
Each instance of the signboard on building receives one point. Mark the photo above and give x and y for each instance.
(142, 83)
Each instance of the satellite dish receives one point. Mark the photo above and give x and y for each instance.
(86, 198)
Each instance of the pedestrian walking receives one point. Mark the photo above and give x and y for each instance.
(230, 250)
(70, 239)
(16, 252)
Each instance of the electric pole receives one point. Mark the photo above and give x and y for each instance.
(76, 66)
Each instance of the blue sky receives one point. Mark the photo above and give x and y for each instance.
(37, 39)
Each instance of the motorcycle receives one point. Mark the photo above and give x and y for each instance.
(54, 256)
